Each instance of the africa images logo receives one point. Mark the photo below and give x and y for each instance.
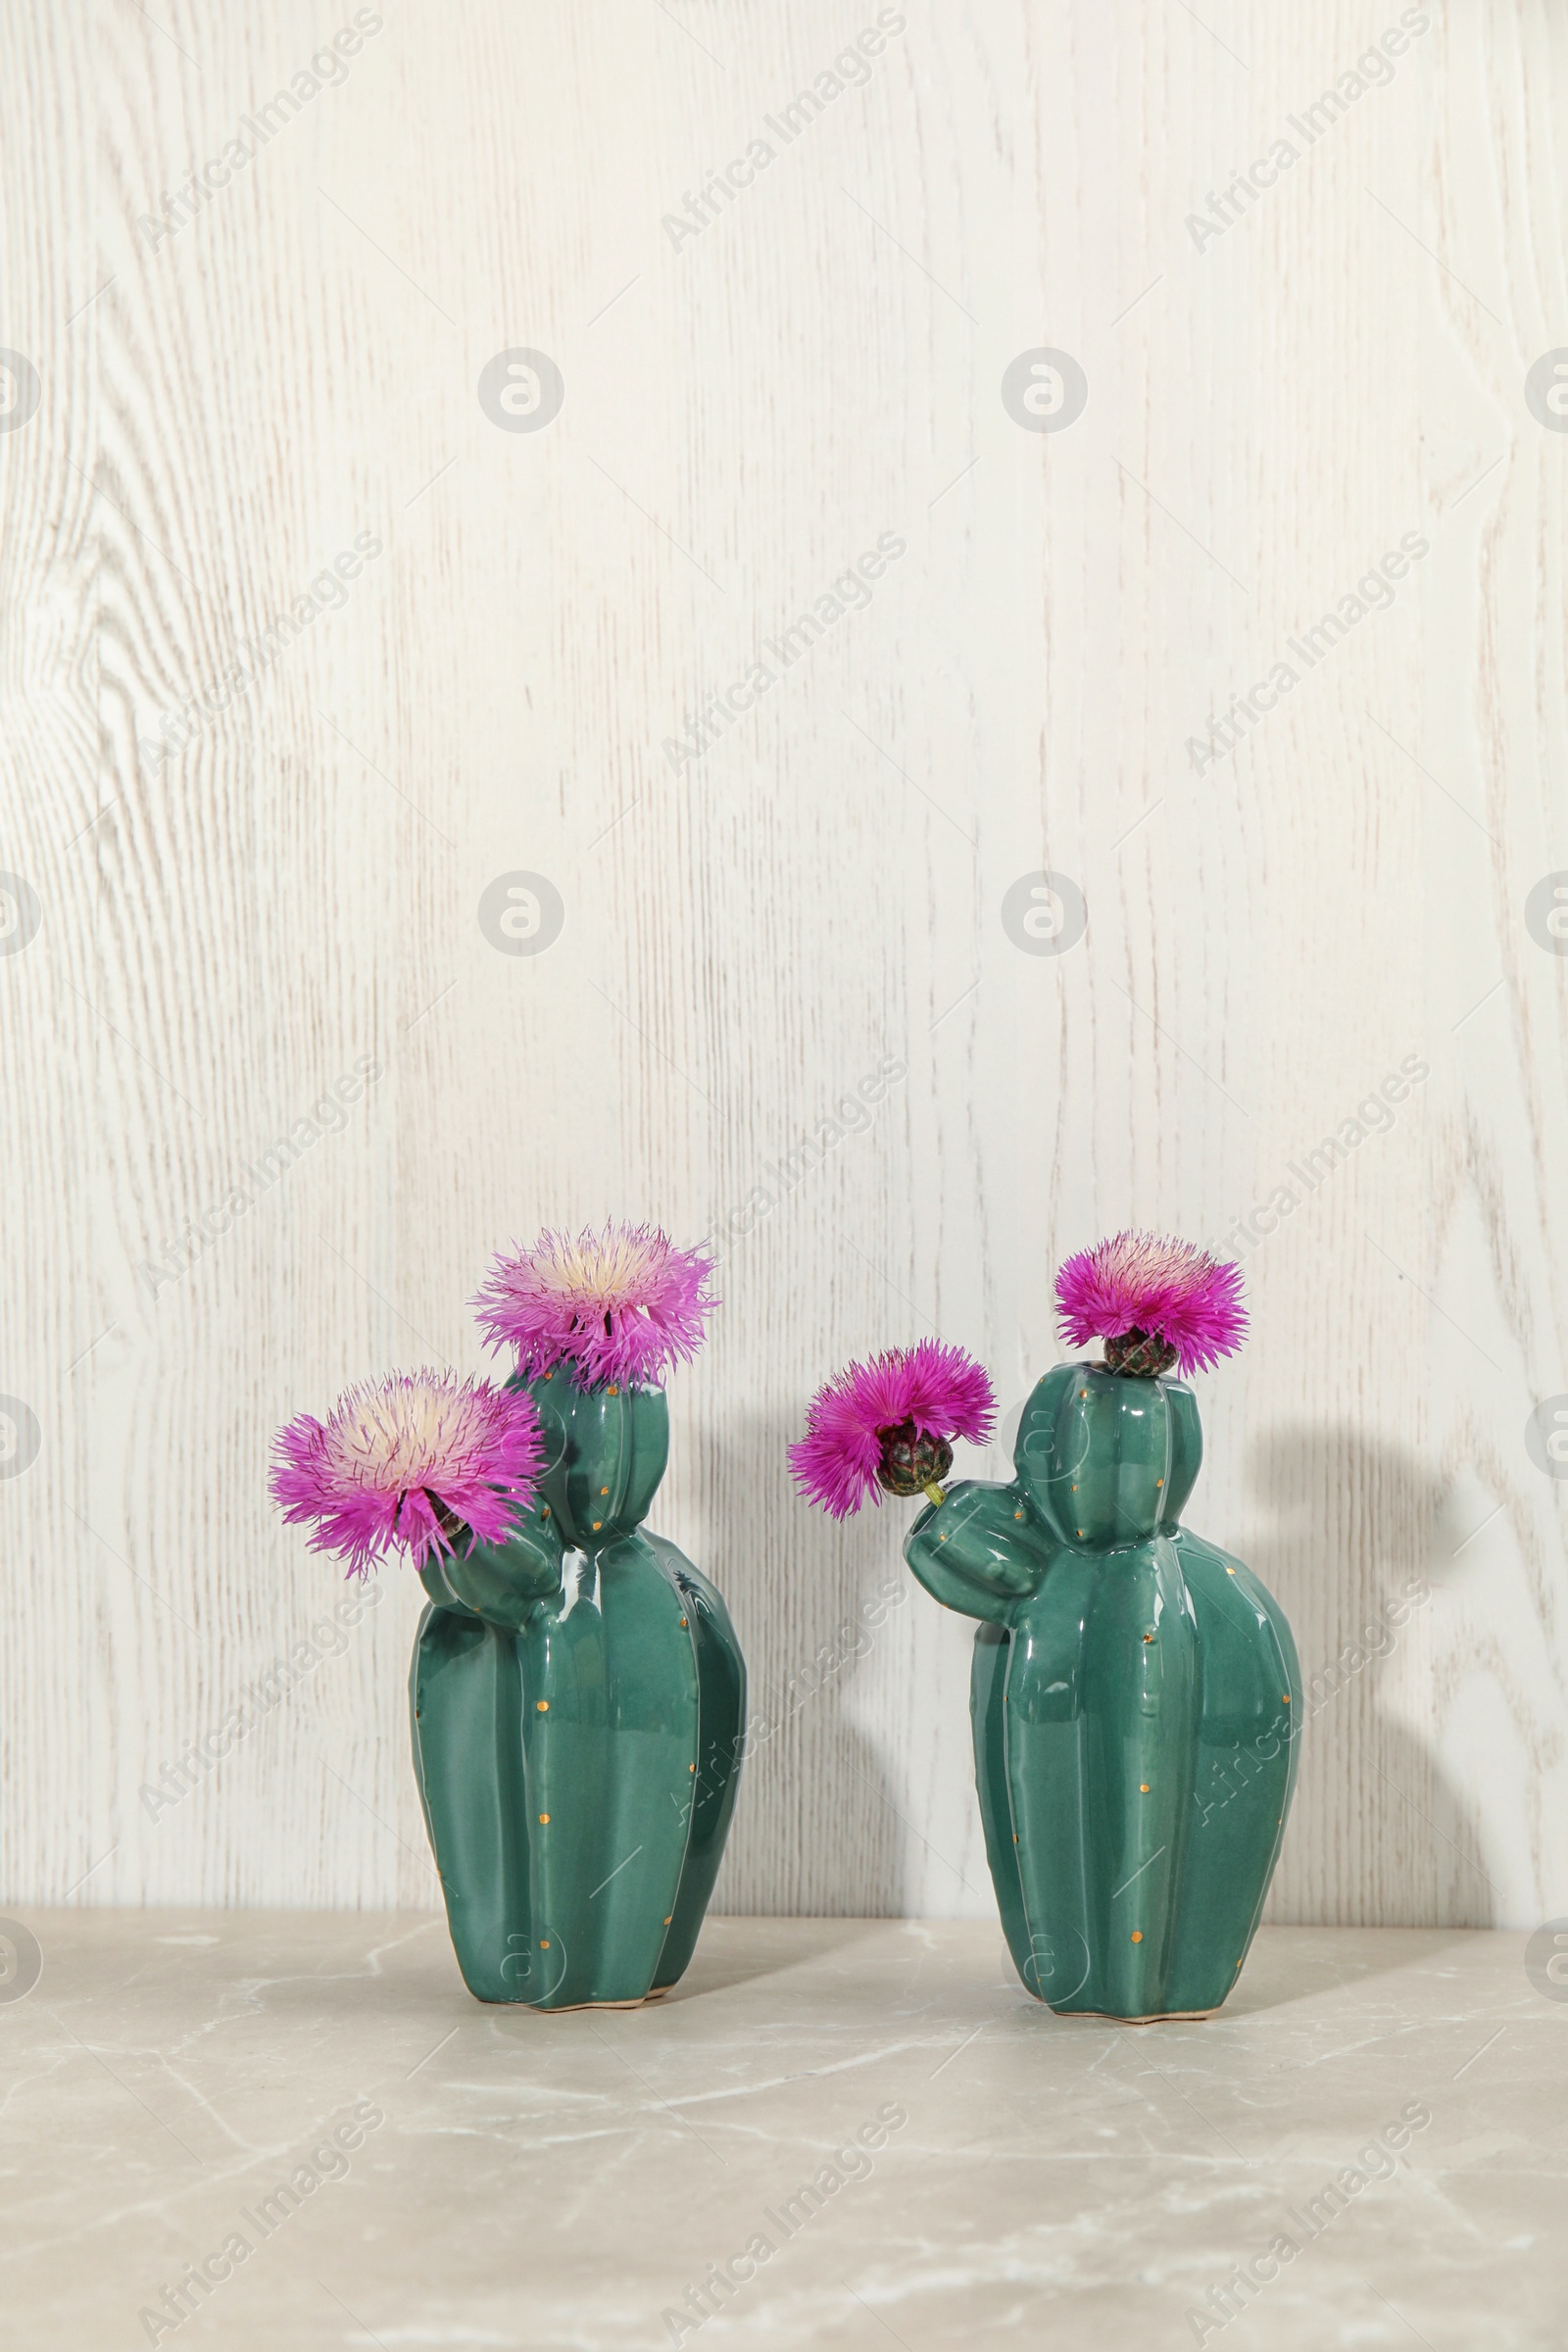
(1373, 70)
(1374, 592)
(522, 389)
(1545, 390)
(20, 390)
(522, 914)
(717, 191)
(328, 69)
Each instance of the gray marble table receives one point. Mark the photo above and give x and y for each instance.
(236, 2130)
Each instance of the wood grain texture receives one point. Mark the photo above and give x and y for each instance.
(228, 927)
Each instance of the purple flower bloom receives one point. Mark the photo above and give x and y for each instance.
(938, 1388)
(1150, 1284)
(411, 1462)
(621, 1305)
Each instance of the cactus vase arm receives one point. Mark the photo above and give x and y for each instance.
(983, 1549)
(499, 1582)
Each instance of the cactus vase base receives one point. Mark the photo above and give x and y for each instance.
(570, 2008)
(1156, 2017)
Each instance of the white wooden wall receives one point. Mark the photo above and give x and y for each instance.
(227, 927)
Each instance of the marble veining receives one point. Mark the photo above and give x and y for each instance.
(235, 2129)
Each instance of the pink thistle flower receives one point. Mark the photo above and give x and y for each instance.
(415, 1462)
(621, 1305)
(1154, 1300)
(886, 1423)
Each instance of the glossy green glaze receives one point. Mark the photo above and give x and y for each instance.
(1132, 1699)
(577, 1697)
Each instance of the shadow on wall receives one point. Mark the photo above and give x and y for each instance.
(1364, 1531)
(814, 1830)
(1379, 1835)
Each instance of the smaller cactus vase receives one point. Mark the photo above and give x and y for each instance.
(1134, 1688)
(1132, 1700)
(577, 1696)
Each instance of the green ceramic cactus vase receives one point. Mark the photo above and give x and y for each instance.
(577, 1696)
(1133, 1696)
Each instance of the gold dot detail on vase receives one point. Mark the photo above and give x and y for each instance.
(598, 1524)
(1286, 1699)
(691, 1768)
(671, 1916)
(1230, 1572)
(1160, 1482)
(614, 1392)
(1017, 1514)
(1149, 1636)
(603, 1490)
(1015, 1836)
(543, 1705)
(544, 1510)
(1138, 1934)
(683, 1625)
(544, 1817)
(544, 1944)
(1143, 1788)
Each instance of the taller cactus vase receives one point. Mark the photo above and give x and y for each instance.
(1132, 1698)
(577, 1696)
